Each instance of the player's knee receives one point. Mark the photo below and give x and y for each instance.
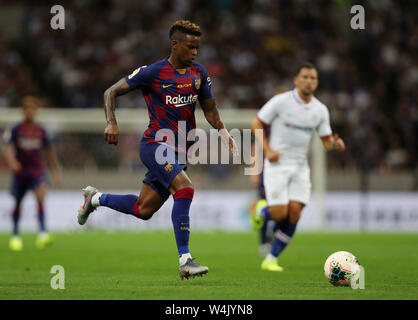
(278, 213)
(295, 212)
(40, 198)
(181, 181)
(146, 216)
(145, 212)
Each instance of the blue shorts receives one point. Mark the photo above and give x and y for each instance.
(22, 184)
(159, 176)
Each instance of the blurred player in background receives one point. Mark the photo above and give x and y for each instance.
(26, 144)
(266, 232)
(292, 117)
(171, 88)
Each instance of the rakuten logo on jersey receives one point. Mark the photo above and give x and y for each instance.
(29, 143)
(181, 101)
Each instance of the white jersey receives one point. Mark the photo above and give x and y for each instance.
(292, 123)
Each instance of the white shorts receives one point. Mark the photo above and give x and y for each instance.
(287, 182)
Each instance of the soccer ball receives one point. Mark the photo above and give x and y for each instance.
(341, 268)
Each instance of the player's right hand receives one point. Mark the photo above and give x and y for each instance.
(16, 166)
(228, 141)
(338, 143)
(111, 134)
(272, 155)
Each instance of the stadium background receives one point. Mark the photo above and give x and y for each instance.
(368, 79)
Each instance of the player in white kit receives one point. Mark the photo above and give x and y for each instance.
(292, 117)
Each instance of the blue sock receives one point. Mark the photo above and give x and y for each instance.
(41, 218)
(263, 233)
(181, 219)
(284, 231)
(265, 213)
(15, 219)
(126, 203)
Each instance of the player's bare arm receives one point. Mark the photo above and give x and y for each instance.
(256, 165)
(211, 113)
(333, 142)
(271, 155)
(52, 161)
(10, 158)
(111, 132)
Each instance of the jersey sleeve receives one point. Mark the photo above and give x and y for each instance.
(205, 91)
(141, 78)
(324, 127)
(269, 111)
(9, 135)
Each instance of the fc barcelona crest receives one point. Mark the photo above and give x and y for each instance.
(197, 84)
(168, 167)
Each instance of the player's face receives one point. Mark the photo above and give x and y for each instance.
(186, 50)
(306, 81)
(29, 112)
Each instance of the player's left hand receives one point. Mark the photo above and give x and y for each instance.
(111, 134)
(338, 143)
(56, 177)
(228, 141)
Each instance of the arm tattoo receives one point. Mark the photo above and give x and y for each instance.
(119, 88)
(109, 107)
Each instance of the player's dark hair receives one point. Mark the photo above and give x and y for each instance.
(305, 65)
(185, 26)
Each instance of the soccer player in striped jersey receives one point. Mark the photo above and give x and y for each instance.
(25, 145)
(291, 117)
(267, 230)
(171, 88)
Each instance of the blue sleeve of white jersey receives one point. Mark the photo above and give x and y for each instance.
(205, 91)
(141, 78)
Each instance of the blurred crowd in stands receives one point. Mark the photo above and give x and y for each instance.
(368, 78)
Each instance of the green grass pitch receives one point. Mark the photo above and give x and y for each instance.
(130, 265)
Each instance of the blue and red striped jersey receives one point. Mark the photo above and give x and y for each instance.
(171, 96)
(28, 140)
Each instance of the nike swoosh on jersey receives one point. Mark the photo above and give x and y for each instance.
(168, 85)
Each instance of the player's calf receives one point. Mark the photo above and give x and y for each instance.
(124, 203)
(15, 219)
(295, 211)
(279, 212)
(127, 204)
(188, 268)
